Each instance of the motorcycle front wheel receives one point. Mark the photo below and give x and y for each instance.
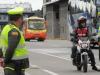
(79, 65)
(85, 64)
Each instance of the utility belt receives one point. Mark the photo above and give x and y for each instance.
(17, 64)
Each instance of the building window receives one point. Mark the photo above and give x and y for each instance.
(57, 15)
(48, 0)
(56, 9)
(4, 17)
(98, 2)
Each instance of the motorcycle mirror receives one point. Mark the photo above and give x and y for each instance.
(72, 34)
(94, 34)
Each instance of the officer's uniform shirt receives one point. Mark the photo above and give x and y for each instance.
(13, 40)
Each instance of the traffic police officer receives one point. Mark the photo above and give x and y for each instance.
(13, 44)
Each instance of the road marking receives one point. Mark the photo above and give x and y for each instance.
(50, 72)
(51, 51)
(34, 66)
(27, 73)
(45, 70)
(45, 52)
(68, 59)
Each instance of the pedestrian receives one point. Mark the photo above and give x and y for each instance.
(13, 44)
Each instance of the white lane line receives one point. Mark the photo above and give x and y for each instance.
(27, 73)
(45, 52)
(45, 70)
(34, 66)
(68, 59)
(50, 72)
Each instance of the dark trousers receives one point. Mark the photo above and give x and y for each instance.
(90, 54)
(14, 67)
(14, 72)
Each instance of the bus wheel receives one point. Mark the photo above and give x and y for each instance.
(41, 40)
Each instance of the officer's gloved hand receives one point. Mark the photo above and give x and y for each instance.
(1, 62)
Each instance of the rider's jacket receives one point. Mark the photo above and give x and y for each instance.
(81, 32)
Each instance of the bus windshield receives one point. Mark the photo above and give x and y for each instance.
(36, 24)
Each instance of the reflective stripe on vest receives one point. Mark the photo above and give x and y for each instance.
(9, 68)
(20, 52)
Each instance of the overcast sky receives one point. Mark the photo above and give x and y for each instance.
(36, 4)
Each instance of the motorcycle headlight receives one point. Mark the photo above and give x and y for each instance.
(84, 45)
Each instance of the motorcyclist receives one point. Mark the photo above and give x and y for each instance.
(82, 31)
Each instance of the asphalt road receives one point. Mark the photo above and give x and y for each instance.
(52, 57)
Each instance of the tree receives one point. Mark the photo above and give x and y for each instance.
(38, 13)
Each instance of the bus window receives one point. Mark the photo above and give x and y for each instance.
(36, 25)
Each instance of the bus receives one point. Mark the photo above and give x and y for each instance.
(35, 29)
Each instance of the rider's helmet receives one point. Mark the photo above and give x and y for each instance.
(82, 22)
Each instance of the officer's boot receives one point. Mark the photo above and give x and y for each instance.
(91, 55)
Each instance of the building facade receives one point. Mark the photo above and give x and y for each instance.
(56, 13)
(97, 3)
(5, 7)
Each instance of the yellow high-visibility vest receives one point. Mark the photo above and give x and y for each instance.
(20, 52)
